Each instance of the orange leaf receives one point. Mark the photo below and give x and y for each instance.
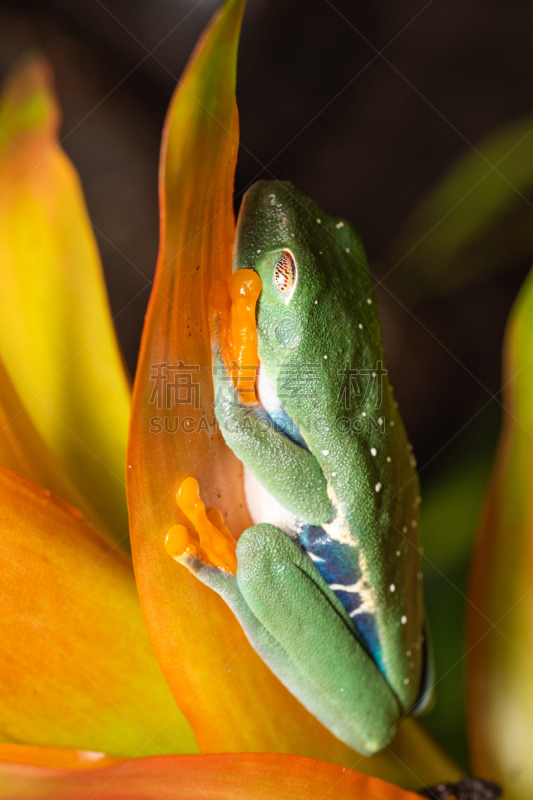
(54, 757)
(227, 693)
(227, 777)
(76, 666)
(232, 700)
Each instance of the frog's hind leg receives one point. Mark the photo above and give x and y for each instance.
(298, 627)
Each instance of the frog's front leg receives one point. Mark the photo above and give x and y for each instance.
(292, 474)
(300, 629)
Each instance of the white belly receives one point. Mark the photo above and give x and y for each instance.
(265, 508)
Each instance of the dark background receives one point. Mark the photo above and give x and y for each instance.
(364, 134)
(363, 106)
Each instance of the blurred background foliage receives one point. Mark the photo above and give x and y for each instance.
(412, 120)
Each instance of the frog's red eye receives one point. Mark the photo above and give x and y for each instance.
(285, 273)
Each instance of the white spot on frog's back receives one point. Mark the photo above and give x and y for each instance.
(340, 225)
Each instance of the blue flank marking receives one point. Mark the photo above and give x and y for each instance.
(337, 567)
(338, 564)
(284, 424)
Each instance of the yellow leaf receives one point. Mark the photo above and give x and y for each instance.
(500, 612)
(56, 333)
(76, 666)
(23, 451)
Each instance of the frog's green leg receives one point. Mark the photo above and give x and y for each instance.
(296, 624)
(291, 474)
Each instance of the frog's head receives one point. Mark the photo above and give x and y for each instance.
(316, 299)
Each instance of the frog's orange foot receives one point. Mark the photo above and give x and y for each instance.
(215, 544)
(233, 327)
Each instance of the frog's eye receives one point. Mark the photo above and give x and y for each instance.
(285, 273)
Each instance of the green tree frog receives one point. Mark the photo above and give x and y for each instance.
(327, 582)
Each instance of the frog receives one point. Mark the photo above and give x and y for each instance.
(326, 583)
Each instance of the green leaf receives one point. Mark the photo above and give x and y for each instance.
(478, 218)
